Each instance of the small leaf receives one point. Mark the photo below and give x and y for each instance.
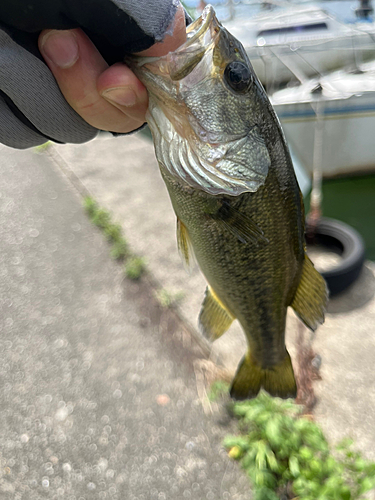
(272, 461)
(273, 431)
(259, 478)
(294, 466)
(345, 493)
(236, 441)
(366, 485)
(305, 453)
(360, 464)
(260, 459)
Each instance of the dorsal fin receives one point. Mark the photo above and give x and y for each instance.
(214, 318)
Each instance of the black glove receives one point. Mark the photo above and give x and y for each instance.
(32, 108)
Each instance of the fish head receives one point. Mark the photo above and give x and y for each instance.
(206, 111)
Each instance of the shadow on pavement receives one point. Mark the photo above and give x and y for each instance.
(356, 296)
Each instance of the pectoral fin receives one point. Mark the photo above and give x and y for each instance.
(184, 246)
(214, 319)
(277, 380)
(311, 298)
(239, 224)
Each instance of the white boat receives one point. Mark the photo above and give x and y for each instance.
(302, 40)
(344, 105)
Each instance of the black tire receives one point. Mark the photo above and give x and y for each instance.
(348, 243)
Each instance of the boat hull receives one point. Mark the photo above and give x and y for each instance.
(348, 134)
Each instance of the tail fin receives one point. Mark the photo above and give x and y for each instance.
(277, 380)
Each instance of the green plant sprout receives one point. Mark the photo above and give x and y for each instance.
(134, 266)
(119, 250)
(168, 299)
(42, 147)
(217, 390)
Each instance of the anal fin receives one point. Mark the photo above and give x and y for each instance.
(310, 300)
(277, 380)
(214, 319)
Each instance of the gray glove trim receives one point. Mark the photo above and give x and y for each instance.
(14, 133)
(22, 75)
(152, 17)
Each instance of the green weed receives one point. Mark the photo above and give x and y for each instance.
(42, 147)
(135, 267)
(113, 232)
(218, 389)
(119, 249)
(90, 205)
(287, 456)
(167, 299)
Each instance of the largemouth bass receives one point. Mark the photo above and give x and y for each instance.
(230, 178)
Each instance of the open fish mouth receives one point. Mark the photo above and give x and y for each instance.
(201, 132)
(177, 65)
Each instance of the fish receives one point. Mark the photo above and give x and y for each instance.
(226, 165)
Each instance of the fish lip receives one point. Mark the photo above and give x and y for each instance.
(157, 72)
(203, 23)
(195, 32)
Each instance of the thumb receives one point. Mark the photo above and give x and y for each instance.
(77, 65)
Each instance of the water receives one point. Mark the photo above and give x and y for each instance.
(352, 200)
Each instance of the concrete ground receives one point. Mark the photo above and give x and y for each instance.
(103, 393)
(101, 390)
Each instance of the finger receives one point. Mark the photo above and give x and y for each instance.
(77, 66)
(119, 86)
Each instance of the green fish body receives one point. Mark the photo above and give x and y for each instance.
(239, 210)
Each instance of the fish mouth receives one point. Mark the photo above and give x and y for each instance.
(196, 31)
(159, 74)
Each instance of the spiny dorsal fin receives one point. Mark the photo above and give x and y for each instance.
(310, 300)
(214, 319)
(239, 224)
(184, 246)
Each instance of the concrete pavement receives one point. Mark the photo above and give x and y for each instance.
(100, 389)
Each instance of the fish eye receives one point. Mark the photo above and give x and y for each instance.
(238, 76)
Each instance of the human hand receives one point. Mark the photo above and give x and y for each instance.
(107, 97)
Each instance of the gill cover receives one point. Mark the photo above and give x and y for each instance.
(203, 111)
